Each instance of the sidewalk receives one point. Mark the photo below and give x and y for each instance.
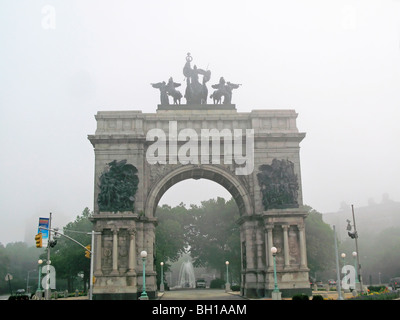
(332, 295)
(75, 298)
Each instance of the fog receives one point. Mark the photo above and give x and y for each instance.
(335, 62)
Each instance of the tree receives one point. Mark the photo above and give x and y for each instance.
(319, 241)
(18, 259)
(170, 239)
(213, 235)
(68, 257)
(209, 232)
(4, 264)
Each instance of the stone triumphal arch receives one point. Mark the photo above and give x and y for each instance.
(254, 155)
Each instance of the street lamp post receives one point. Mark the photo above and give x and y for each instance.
(47, 290)
(276, 294)
(338, 285)
(39, 291)
(343, 255)
(227, 285)
(355, 267)
(144, 296)
(358, 265)
(162, 278)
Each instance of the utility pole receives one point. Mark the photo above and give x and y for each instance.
(47, 292)
(91, 266)
(358, 253)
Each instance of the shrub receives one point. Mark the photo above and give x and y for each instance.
(376, 288)
(217, 284)
(318, 297)
(378, 296)
(301, 296)
(235, 287)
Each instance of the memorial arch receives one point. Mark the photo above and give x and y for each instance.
(261, 170)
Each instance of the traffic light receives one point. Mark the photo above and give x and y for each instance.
(352, 235)
(38, 239)
(87, 253)
(52, 243)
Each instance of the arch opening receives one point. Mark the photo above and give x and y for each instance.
(218, 216)
(218, 175)
(193, 192)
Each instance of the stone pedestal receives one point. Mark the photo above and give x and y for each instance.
(283, 229)
(276, 295)
(117, 265)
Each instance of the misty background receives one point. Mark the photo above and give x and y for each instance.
(337, 63)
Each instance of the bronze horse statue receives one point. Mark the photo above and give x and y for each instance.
(171, 91)
(168, 89)
(216, 96)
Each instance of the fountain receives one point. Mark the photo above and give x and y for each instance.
(186, 277)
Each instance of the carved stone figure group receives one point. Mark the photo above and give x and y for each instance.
(168, 89)
(279, 185)
(196, 92)
(118, 186)
(223, 90)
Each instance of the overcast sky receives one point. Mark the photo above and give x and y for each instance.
(337, 63)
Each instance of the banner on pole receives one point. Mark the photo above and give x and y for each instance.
(44, 222)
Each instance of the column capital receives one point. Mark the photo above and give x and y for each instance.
(301, 227)
(114, 229)
(268, 227)
(97, 228)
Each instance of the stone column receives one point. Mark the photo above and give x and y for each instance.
(97, 271)
(302, 239)
(150, 247)
(249, 246)
(147, 245)
(115, 253)
(140, 246)
(285, 228)
(268, 246)
(259, 248)
(132, 252)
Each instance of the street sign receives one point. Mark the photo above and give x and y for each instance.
(44, 222)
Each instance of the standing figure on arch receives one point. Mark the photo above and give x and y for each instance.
(163, 92)
(196, 92)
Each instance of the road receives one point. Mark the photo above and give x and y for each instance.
(200, 294)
